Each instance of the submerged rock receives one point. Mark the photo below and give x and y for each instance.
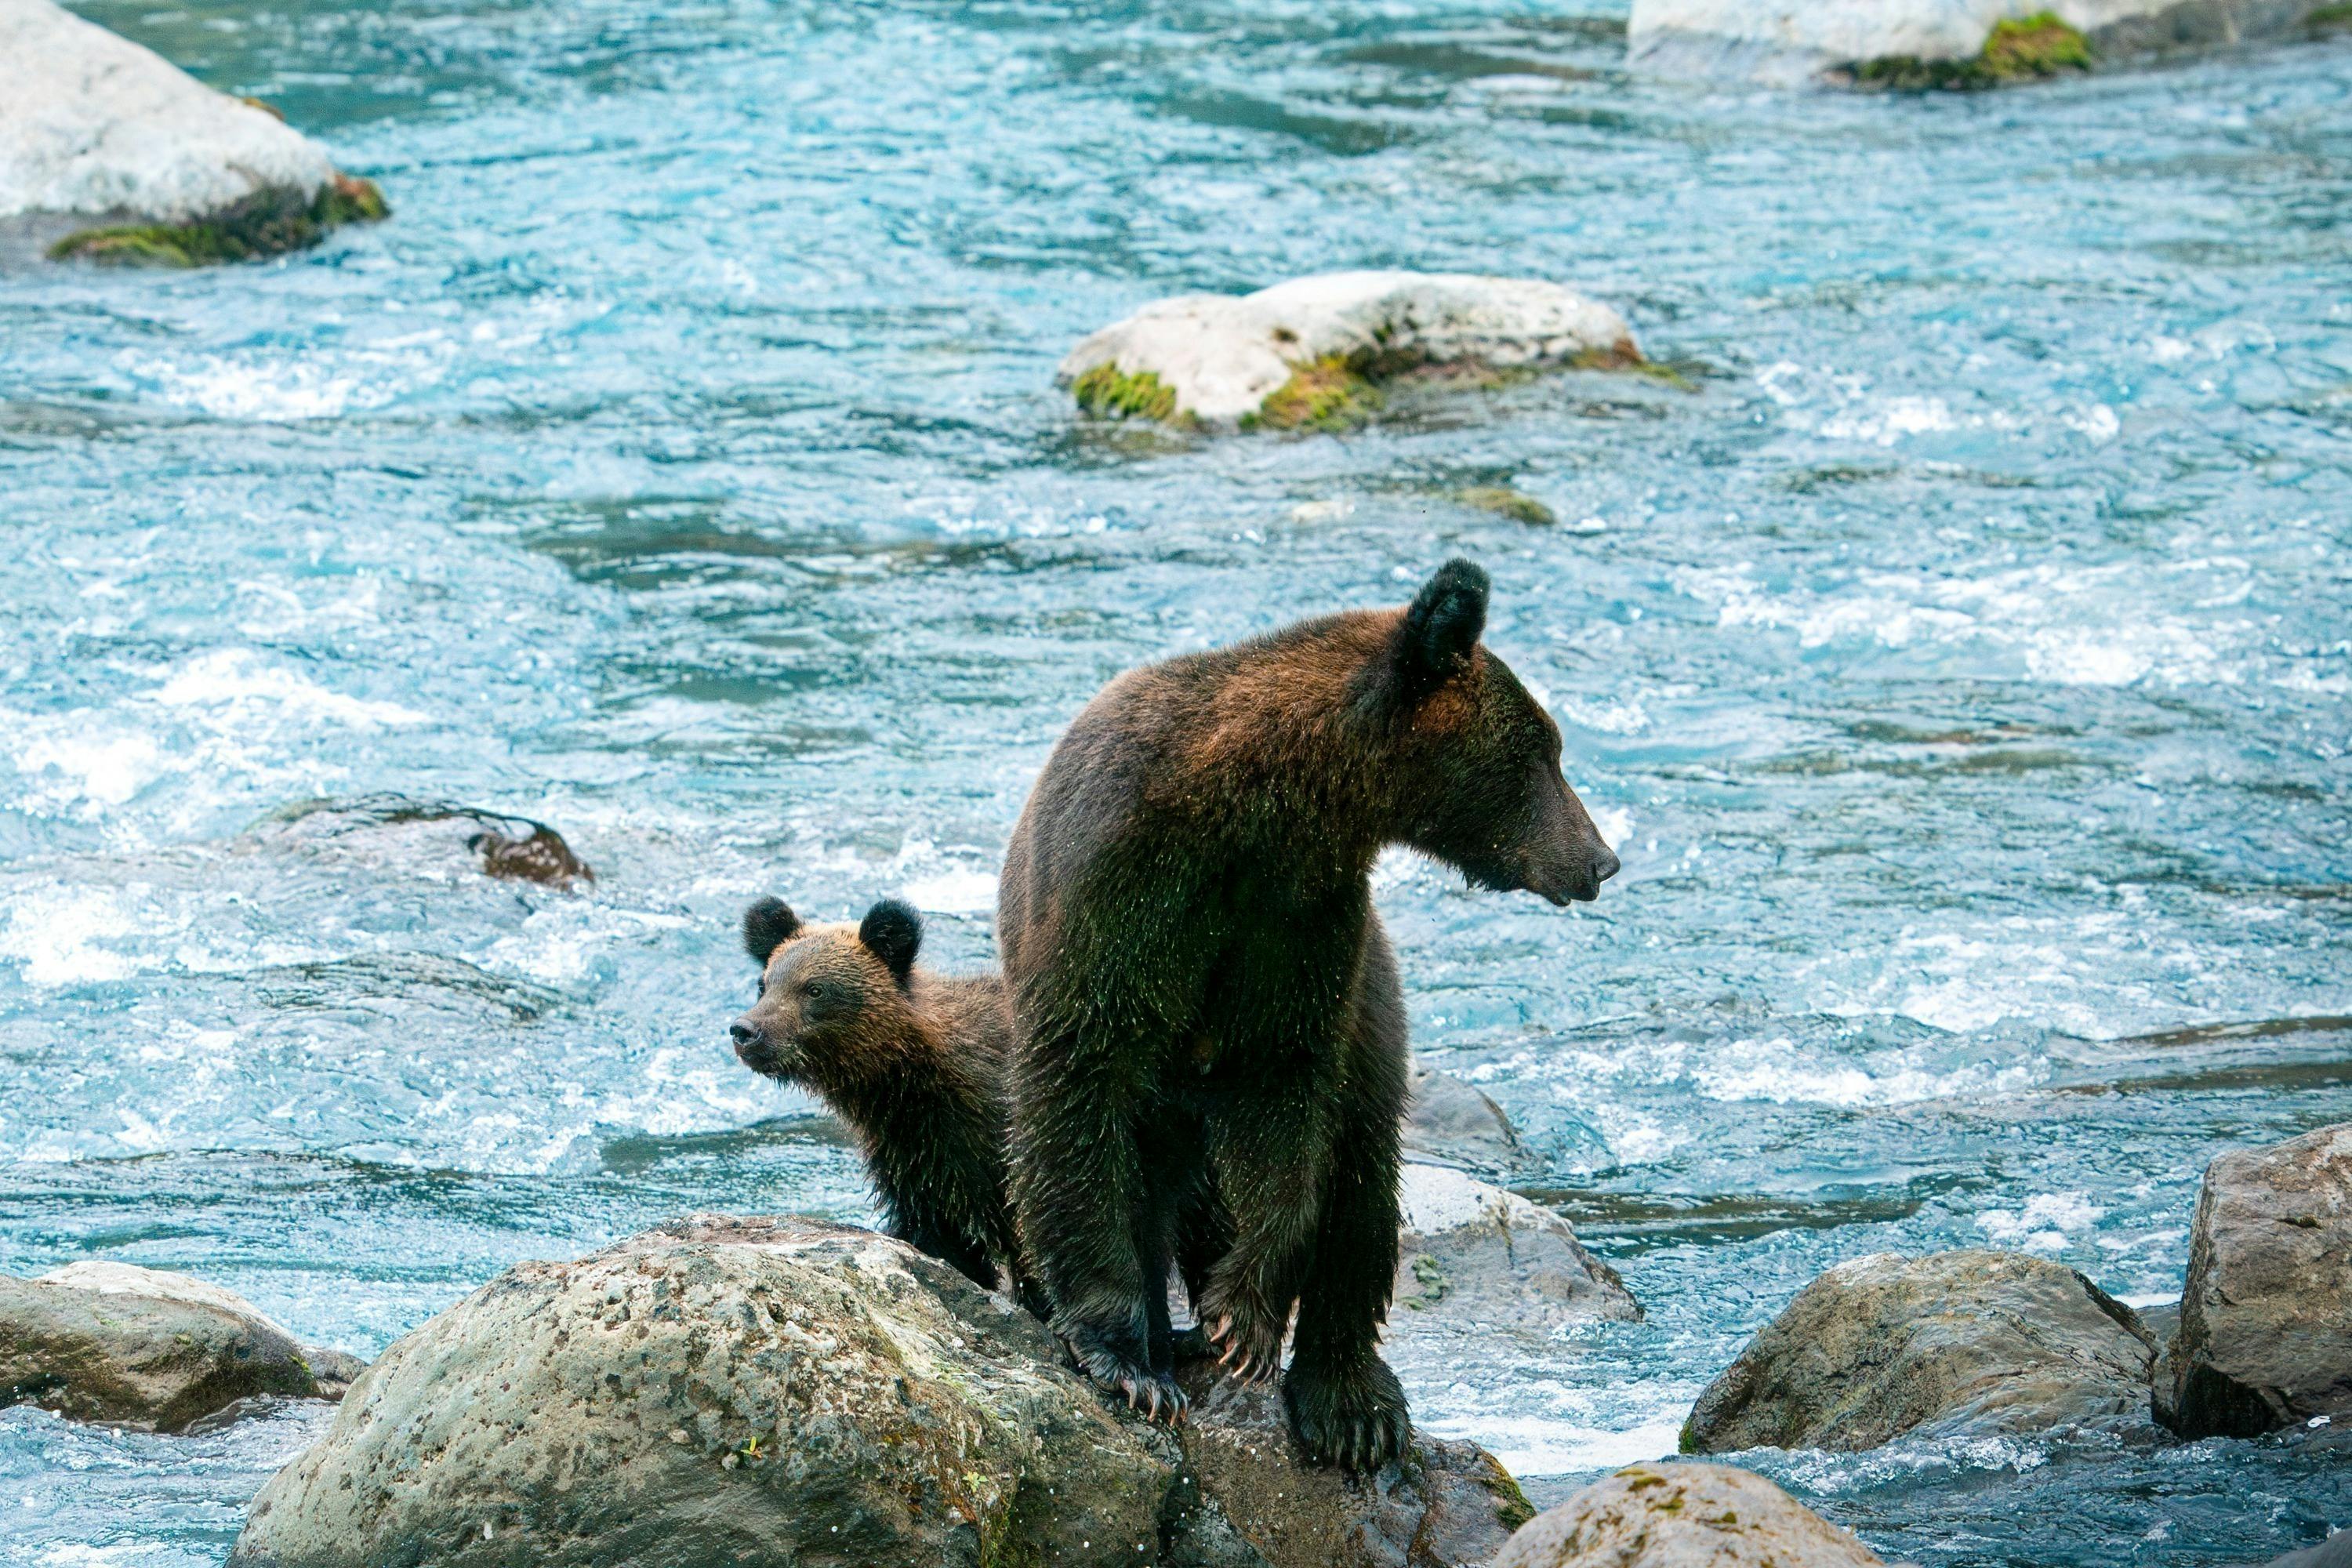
(2265, 1336)
(1450, 1122)
(2336, 1551)
(418, 832)
(1315, 353)
(1932, 43)
(109, 152)
(788, 1391)
(1683, 1516)
(1476, 1260)
(148, 1348)
(1964, 1343)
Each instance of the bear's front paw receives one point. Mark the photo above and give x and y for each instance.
(1151, 1395)
(1354, 1417)
(1245, 1332)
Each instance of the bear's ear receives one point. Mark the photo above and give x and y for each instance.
(893, 931)
(1442, 624)
(767, 926)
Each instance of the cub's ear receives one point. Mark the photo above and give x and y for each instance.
(893, 931)
(1442, 624)
(767, 926)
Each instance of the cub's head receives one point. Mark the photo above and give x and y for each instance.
(829, 995)
(1478, 772)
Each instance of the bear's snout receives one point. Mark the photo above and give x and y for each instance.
(751, 1044)
(1578, 877)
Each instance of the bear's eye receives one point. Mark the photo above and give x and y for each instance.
(812, 989)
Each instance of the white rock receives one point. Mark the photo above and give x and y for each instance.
(1785, 44)
(158, 1285)
(1222, 354)
(1683, 1516)
(92, 124)
(1475, 1259)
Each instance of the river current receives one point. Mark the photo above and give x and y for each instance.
(1959, 662)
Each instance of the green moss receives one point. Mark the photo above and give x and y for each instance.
(2328, 18)
(1505, 501)
(1329, 394)
(268, 223)
(1512, 1508)
(1686, 1442)
(1110, 392)
(2024, 48)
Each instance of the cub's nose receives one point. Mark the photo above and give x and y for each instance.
(745, 1032)
(751, 1042)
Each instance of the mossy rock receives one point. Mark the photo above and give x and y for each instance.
(269, 223)
(1327, 394)
(1108, 391)
(1504, 501)
(2023, 48)
(2330, 19)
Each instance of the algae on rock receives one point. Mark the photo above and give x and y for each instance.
(268, 224)
(2021, 48)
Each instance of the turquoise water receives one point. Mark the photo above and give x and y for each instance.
(1960, 667)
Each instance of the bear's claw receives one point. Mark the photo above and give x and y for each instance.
(1247, 1334)
(1355, 1419)
(1150, 1394)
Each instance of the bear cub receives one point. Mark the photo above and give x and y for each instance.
(913, 1061)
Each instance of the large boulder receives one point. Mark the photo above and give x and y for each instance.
(1931, 43)
(1474, 1259)
(112, 152)
(1450, 1122)
(149, 1349)
(784, 1389)
(1683, 1516)
(1316, 352)
(2266, 1337)
(1970, 1342)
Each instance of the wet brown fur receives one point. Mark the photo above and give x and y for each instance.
(916, 1067)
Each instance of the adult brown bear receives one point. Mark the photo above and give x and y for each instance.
(1209, 1038)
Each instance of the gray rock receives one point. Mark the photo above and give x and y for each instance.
(2336, 1551)
(789, 1390)
(2265, 1338)
(146, 1348)
(95, 130)
(1450, 1122)
(2163, 1325)
(1965, 1343)
(1476, 1260)
(1220, 360)
(1683, 1516)
(1787, 46)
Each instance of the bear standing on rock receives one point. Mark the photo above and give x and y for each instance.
(1209, 1037)
(913, 1061)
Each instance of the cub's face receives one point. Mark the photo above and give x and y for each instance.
(828, 994)
(813, 994)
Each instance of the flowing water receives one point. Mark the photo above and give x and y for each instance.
(1959, 662)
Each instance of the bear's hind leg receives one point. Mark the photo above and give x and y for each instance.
(1080, 1189)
